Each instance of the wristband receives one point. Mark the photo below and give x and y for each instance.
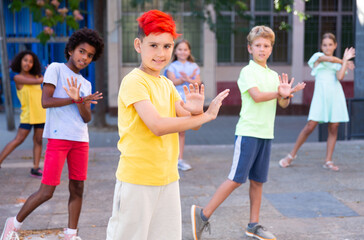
(81, 101)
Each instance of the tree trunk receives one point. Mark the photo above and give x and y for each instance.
(100, 66)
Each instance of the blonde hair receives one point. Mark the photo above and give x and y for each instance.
(261, 31)
(329, 36)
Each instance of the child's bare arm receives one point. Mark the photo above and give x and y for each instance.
(348, 54)
(83, 103)
(259, 96)
(21, 79)
(49, 101)
(181, 112)
(191, 79)
(166, 125)
(284, 90)
(172, 77)
(325, 58)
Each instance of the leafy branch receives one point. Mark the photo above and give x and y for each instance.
(49, 14)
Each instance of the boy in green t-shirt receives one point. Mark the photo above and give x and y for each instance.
(150, 115)
(260, 89)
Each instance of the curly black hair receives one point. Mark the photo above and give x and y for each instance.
(16, 63)
(85, 35)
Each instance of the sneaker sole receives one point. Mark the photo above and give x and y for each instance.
(258, 237)
(193, 220)
(184, 169)
(2, 235)
(35, 176)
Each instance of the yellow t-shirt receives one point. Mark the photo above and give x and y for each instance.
(30, 97)
(146, 159)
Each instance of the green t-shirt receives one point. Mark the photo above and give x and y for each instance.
(257, 119)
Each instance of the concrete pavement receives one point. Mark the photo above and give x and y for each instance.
(304, 201)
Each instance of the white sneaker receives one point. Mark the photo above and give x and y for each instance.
(9, 232)
(183, 166)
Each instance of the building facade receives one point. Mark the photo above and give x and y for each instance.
(222, 54)
(21, 32)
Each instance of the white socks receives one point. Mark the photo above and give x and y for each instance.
(71, 231)
(17, 224)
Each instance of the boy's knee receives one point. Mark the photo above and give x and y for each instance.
(235, 184)
(45, 195)
(255, 183)
(76, 188)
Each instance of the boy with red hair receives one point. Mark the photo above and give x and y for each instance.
(150, 115)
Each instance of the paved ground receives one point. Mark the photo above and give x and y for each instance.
(301, 202)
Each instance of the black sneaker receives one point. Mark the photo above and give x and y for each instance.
(37, 173)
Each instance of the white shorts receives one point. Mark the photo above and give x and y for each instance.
(143, 212)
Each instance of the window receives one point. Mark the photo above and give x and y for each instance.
(188, 25)
(335, 16)
(232, 46)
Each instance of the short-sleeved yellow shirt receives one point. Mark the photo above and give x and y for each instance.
(146, 159)
(257, 119)
(30, 97)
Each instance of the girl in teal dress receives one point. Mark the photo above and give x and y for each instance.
(328, 103)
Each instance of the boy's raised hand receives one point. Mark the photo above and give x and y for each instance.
(92, 98)
(215, 105)
(298, 87)
(195, 98)
(73, 91)
(284, 88)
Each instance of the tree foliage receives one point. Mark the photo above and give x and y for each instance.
(211, 11)
(49, 14)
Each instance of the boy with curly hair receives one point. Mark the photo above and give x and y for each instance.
(67, 98)
(150, 115)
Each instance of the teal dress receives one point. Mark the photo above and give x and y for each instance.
(328, 102)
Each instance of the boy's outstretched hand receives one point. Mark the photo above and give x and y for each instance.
(73, 91)
(215, 105)
(298, 87)
(92, 98)
(284, 88)
(195, 98)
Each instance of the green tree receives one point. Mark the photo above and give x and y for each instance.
(49, 14)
